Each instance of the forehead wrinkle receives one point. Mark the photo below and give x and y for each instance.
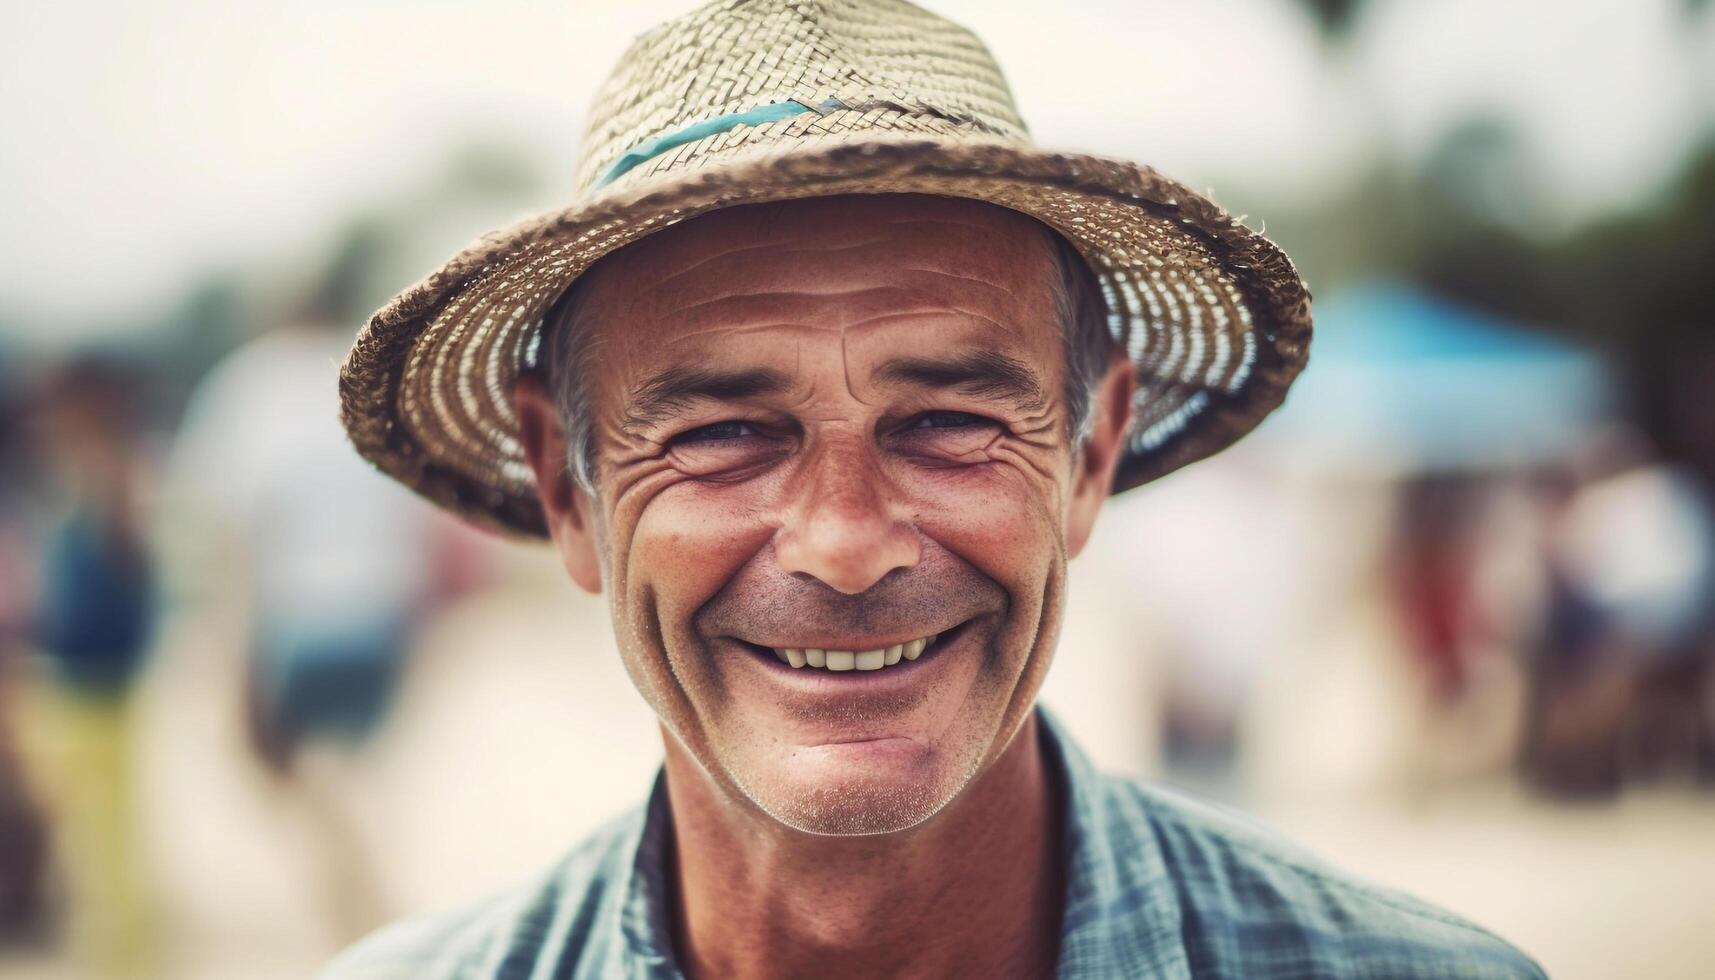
(992, 267)
(860, 325)
(892, 256)
(785, 294)
(991, 284)
(881, 319)
(853, 307)
(762, 246)
(740, 329)
(846, 367)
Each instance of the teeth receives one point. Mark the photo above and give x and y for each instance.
(853, 659)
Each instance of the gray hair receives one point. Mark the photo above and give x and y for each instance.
(1081, 310)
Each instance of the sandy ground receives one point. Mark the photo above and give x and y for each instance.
(517, 730)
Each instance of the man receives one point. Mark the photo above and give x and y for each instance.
(332, 568)
(823, 383)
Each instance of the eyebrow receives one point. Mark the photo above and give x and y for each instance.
(982, 373)
(665, 394)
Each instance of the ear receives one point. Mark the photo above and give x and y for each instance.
(564, 504)
(1093, 467)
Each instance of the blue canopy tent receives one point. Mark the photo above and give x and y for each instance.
(1400, 380)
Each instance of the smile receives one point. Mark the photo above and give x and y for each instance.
(853, 659)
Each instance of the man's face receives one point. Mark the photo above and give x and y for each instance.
(831, 425)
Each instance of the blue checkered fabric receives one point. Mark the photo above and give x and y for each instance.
(1157, 886)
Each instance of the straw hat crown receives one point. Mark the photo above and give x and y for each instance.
(831, 67)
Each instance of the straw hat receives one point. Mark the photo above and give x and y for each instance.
(744, 101)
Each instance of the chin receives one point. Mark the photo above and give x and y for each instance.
(857, 789)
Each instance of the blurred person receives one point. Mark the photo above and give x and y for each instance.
(22, 840)
(332, 565)
(22, 837)
(1229, 526)
(1433, 571)
(1624, 656)
(824, 381)
(92, 623)
(1465, 590)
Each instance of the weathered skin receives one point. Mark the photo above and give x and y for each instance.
(857, 823)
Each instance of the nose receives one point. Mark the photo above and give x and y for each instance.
(844, 529)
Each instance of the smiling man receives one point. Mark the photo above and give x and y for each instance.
(823, 383)
(852, 411)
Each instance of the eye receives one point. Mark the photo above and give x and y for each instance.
(941, 437)
(715, 433)
(729, 449)
(948, 420)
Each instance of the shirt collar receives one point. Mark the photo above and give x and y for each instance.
(644, 921)
(1121, 915)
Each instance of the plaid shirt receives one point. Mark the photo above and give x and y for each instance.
(1157, 886)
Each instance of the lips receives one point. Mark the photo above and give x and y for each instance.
(874, 659)
(801, 629)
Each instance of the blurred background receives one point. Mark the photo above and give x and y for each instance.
(1446, 617)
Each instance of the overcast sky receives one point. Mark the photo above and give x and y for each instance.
(149, 141)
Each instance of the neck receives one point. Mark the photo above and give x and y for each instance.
(974, 891)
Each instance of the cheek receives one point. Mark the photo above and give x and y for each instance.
(692, 540)
(1001, 518)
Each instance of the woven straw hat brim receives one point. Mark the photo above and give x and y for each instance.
(1213, 315)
